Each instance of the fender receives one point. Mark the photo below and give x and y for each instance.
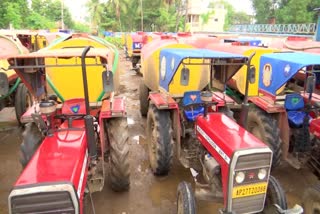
(163, 101)
(267, 104)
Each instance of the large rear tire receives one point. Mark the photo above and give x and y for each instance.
(119, 154)
(31, 140)
(185, 199)
(275, 195)
(22, 101)
(143, 97)
(159, 139)
(311, 200)
(264, 127)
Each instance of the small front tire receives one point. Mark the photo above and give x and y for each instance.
(185, 199)
(275, 195)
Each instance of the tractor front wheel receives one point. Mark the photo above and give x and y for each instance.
(143, 97)
(23, 100)
(311, 200)
(32, 139)
(185, 199)
(119, 154)
(264, 127)
(159, 139)
(275, 195)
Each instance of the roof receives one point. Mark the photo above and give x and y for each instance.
(297, 60)
(199, 53)
(244, 39)
(66, 52)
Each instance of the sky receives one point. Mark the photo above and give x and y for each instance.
(242, 5)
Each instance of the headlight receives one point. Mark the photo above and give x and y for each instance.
(240, 176)
(262, 174)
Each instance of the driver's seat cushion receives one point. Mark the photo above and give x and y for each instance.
(294, 105)
(192, 97)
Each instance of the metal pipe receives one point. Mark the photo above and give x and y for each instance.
(84, 78)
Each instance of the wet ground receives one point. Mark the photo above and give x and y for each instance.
(147, 194)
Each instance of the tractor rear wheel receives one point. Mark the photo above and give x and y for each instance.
(31, 140)
(264, 127)
(143, 97)
(22, 101)
(311, 200)
(185, 199)
(159, 139)
(119, 154)
(275, 195)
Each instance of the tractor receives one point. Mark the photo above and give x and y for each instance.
(133, 45)
(192, 116)
(12, 91)
(66, 144)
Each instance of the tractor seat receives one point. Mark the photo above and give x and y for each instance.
(294, 105)
(192, 97)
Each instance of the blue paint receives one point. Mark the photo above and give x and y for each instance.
(173, 58)
(192, 97)
(75, 109)
(283, 67)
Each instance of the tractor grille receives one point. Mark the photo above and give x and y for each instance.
(248, 204)
(251, 165)
(47, 202)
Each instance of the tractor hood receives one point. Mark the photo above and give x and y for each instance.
(277, 69)
(222, 65)
(32, 67)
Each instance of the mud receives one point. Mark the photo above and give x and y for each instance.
(147, 194)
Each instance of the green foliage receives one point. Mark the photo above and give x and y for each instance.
(42, 14)
(286, 11)
(81, 28)
(35, 21)
(115, 41)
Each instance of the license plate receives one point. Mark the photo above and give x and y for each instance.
(249, 190)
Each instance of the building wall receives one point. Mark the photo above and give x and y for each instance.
(216, 20)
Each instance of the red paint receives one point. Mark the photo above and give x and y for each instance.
(315, 127)
(163, 101)
(59, 158)
(229, 137)
(267, 104)
(116, 106)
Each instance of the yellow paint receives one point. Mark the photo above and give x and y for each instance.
(4, 64)
(68, 80)
(150, 65)
(129, 43)
(249, 190)
(240, 76)
(198, 79)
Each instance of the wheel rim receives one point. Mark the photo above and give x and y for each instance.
(152, 144)
(180, 204)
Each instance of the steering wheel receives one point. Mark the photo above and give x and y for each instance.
(70, 118)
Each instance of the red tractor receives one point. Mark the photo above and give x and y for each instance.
(66, 145)
(233, 166)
